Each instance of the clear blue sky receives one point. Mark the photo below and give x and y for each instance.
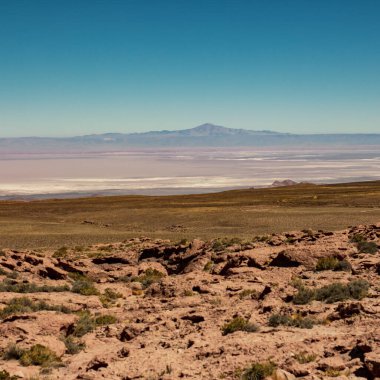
(71, 67)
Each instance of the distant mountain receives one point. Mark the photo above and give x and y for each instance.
(202, 136)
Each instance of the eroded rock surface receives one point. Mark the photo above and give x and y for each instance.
(152, 309)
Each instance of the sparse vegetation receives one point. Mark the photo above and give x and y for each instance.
(367, 247)
(5, 375)
(363, 245)
(296, 320)
(355, 289)
(238, 324)
(304, 296)
(149, 277)
(248, 293)
(83, 285)
(304, 357)
(21, 287)
(208, 266)
(87, 323)
(105, 320)
(109, 297)
(61, 253)
(73, 345)
(38, 355)
(84, 324)
(332, 263)
(258, 371)
(26, 305)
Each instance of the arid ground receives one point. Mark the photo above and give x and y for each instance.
(297, 305)
(278, 283)
(239, 213)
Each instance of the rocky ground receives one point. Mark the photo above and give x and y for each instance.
(297, 305)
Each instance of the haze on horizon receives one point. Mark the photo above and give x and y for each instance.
(82, 67)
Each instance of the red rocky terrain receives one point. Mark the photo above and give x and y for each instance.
(297, 305)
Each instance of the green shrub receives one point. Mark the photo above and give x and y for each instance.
(344, 266)
(304, 357)
(39, 355)
(26, 305)
(36, 355)
(5, 375)
(109, 297)
(332, 263)
(326, 263)
(258, 371)
(356, 289)
(357, 238)
(248, 293)
(84, 325)
(149, 277)
(299, 321)
(85, 287)
(367, 247)
(12, 275)
(104, 320)
(12, 352)
(17, 287)
(335, 292)
(238, 324)
(73, 346)
(60, 253)
(304, 296)
(208, 266)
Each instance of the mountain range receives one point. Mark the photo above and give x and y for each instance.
(201, 136)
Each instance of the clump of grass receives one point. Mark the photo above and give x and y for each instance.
(3, 272)
(220, 245)
(258, 371)
(367, 247)
(20, 287)
(261, 239)
(38, 355)
(84, 324)
(188, 293)
(60, 253)
(238, 324)
(248, 293)
(363, 245)
(26, 305)
(149, 277)
(73, 346)
(297, 320)
(85, 286)
(357, 238)
(332, 263)
(5, 375)
(87, 323)
(109, 297)
(304, 357)
(12, 275)
(356, 289)
(331, 372)
(304, 296)
(335, 292)
(12, 352)
(105, 320)
(208, 266)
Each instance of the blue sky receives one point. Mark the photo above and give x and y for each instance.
(89, 66)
